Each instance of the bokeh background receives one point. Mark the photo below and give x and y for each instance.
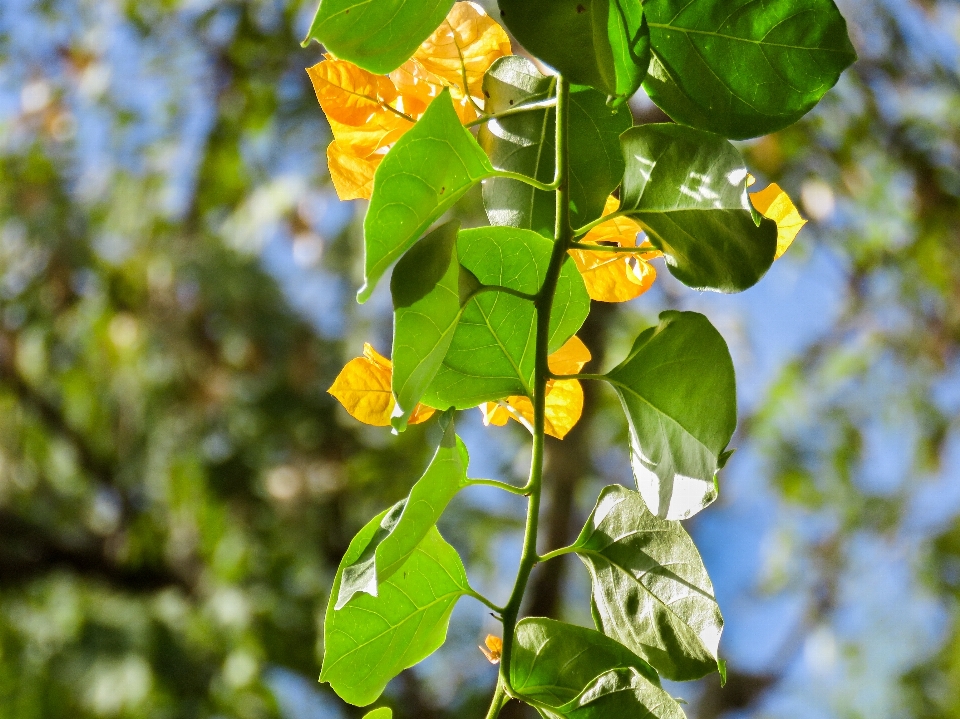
(176, 294)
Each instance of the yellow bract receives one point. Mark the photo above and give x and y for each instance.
(357, 102)
(564, 400)
(614, 276)
(363, 388)
(774, 204)
(493, 649)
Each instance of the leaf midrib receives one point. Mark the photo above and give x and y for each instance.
(762, 43)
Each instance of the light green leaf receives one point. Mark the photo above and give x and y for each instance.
(651, 591)
(492, 352)
(688, 190)
(422, 176)
(406, 524)
(372, 639)
(378, 36)
(678, 390)
(379, 713)
(526, 143)
(743, 68)
(426, 306)
(601, 43)
(557, 668)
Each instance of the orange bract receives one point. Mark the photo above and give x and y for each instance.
(350, 94)
(612, 276)
(363, 388)
(775, 204)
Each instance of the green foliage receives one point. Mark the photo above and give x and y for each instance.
(688, 189)
(378, 36)
(601, 43)
(524, 143)
(742, 68)
(480, 312)
(678, 391)
(651, 591)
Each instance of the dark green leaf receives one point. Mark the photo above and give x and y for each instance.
(526, 143)
(557, 667)
(651, 591)
(426, 306)
(743, 68)
(372, 639)
(492, 352)
(407, 522)
(422, 176)
(601, 43)
(688, 190)
(378, 36)
(678, 390)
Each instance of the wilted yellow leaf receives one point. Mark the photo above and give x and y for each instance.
(494, 649)
(564, 400)
(363, 388)
(350, 94)
(775, 204)
(614, 276)
(352, 176)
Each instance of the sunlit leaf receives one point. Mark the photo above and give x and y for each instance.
(379, 713)
(651, 591)
(408, 522)
(615, 277)
(378, 36)
(577, 673)
(775, 204)
(678, 390)
(349, 94)
(492, 353)
(375, 136)
(601, 43)
(363, 388)
(742, 68)
(525, 143)
(426, 299)
(687, 189)
(422, 176)
(570, 358)
(352, 176)
(372, 639)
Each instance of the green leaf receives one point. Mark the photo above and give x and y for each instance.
(422, 176)
(601, 43)
(378, 36)
(408, 522)
(492, 352)
(556, 667)
(688, 189)
(651, 591)
(742, 68)
(426, 306)
(372, 639)
(678, 390)
(622, 693)
(379, 713)
(526, 143)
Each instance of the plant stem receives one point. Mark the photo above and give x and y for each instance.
(499, 699)
(499, 485)
(540, 105)
(544, 304)
(556, 553)
(611, 248)
(596, 377)
(526, 180)
(483, 600)
(599, 221)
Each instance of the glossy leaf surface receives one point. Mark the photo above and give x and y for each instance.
(651, 591)
(526, 143)
(601, 43)
(408, 522)
(621, 693)
(422, 176)
(372, 639)
(678, 390)
(492, 352)
(688, 190)
(426, 307)
(378, 36)
(743, 68)
(555, 667)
